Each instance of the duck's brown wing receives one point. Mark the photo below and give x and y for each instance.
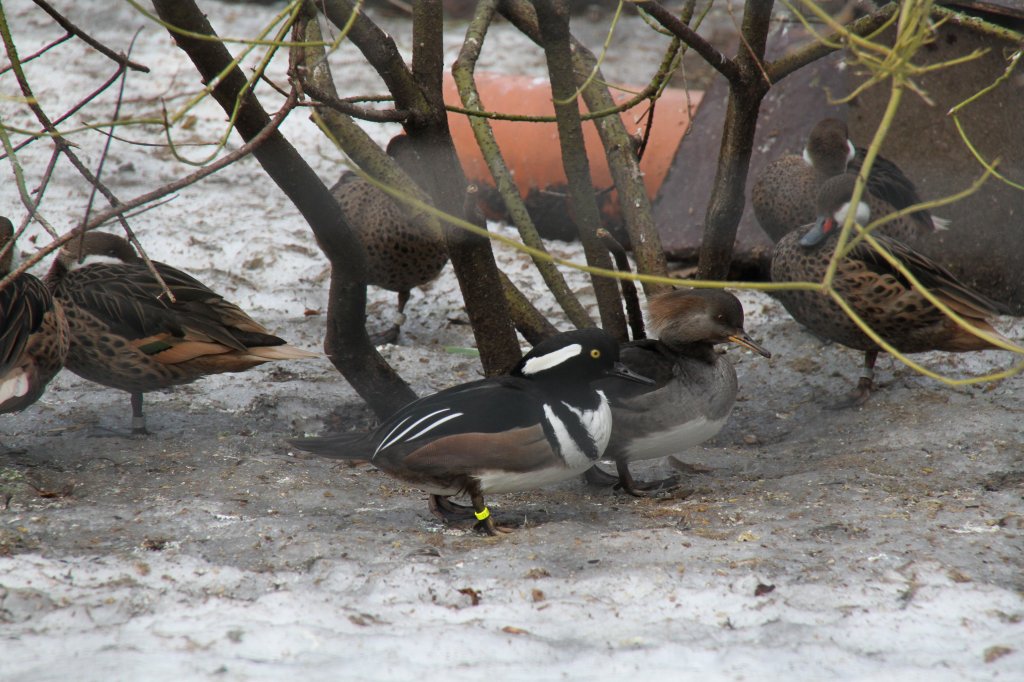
(130, 301)
(520, 450)
(23, 303)
(935, 277)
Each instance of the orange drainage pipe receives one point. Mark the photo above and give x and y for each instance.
(532, 151)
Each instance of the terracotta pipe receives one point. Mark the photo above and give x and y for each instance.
(532, 152)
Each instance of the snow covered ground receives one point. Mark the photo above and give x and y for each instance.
(885, 543)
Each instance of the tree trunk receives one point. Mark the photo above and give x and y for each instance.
(347, 343)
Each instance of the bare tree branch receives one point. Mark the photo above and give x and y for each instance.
(379, 50)
(718, 61)
(64, 147)
(783, 66)
(634, 204)
(725, 207)
(85, 37)
(440, 172)
(622, 160)
(463, 73)
(554, 28)
(353, 110)
(347, 343)
(311, 69)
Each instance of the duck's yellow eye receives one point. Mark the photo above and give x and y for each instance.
(595, 353)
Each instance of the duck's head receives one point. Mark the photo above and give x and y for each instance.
(829, 148)
(96, 247)
(576, 358)
(834, 206)
(688, 316)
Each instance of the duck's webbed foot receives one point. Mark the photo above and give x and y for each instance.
(865, 384)
(443, 508)
(643, 488)
(597, 476)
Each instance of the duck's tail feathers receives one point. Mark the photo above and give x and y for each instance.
(963, 340)
(337, 446)
(284, 352)
(941, 224)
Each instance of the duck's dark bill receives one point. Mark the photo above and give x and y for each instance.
(816, 232)
(749, 343)
(620, 370)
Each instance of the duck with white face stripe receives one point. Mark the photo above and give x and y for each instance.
(881, 295)
(543, 424)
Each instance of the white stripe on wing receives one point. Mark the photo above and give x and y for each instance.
(434, 425)
(391, 441)
(390, 433)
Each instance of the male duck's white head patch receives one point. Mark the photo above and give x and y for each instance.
(851, 151)
(550, 360)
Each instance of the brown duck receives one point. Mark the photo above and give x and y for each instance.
(879, 294)
(126, 334)
(33, 333)
(785, 194)
(400, 253)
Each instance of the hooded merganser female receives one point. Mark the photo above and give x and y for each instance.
(695, 386)
(879, 294)
(125, 333)
(400, 252)
(543, 424)
(785, 194)
(33, 333)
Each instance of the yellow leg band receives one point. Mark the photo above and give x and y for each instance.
(482, 514)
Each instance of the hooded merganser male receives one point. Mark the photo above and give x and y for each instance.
(400, 253)
(695, 386)
(879, 294)
(125, 333)
(33, 333)
(543, 424)
(785, 194)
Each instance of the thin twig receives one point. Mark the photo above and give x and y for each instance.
(102, 161)
(818, 48)
(716, 59)
(19, 179)
(92, 42)
(463, 73)
(71, 112)
(41, 51)
(123, 207)
(634, 314)
(62, 144)
(349, 109)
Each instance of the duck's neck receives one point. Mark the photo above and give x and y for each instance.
(698, 350)
(56, 273)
